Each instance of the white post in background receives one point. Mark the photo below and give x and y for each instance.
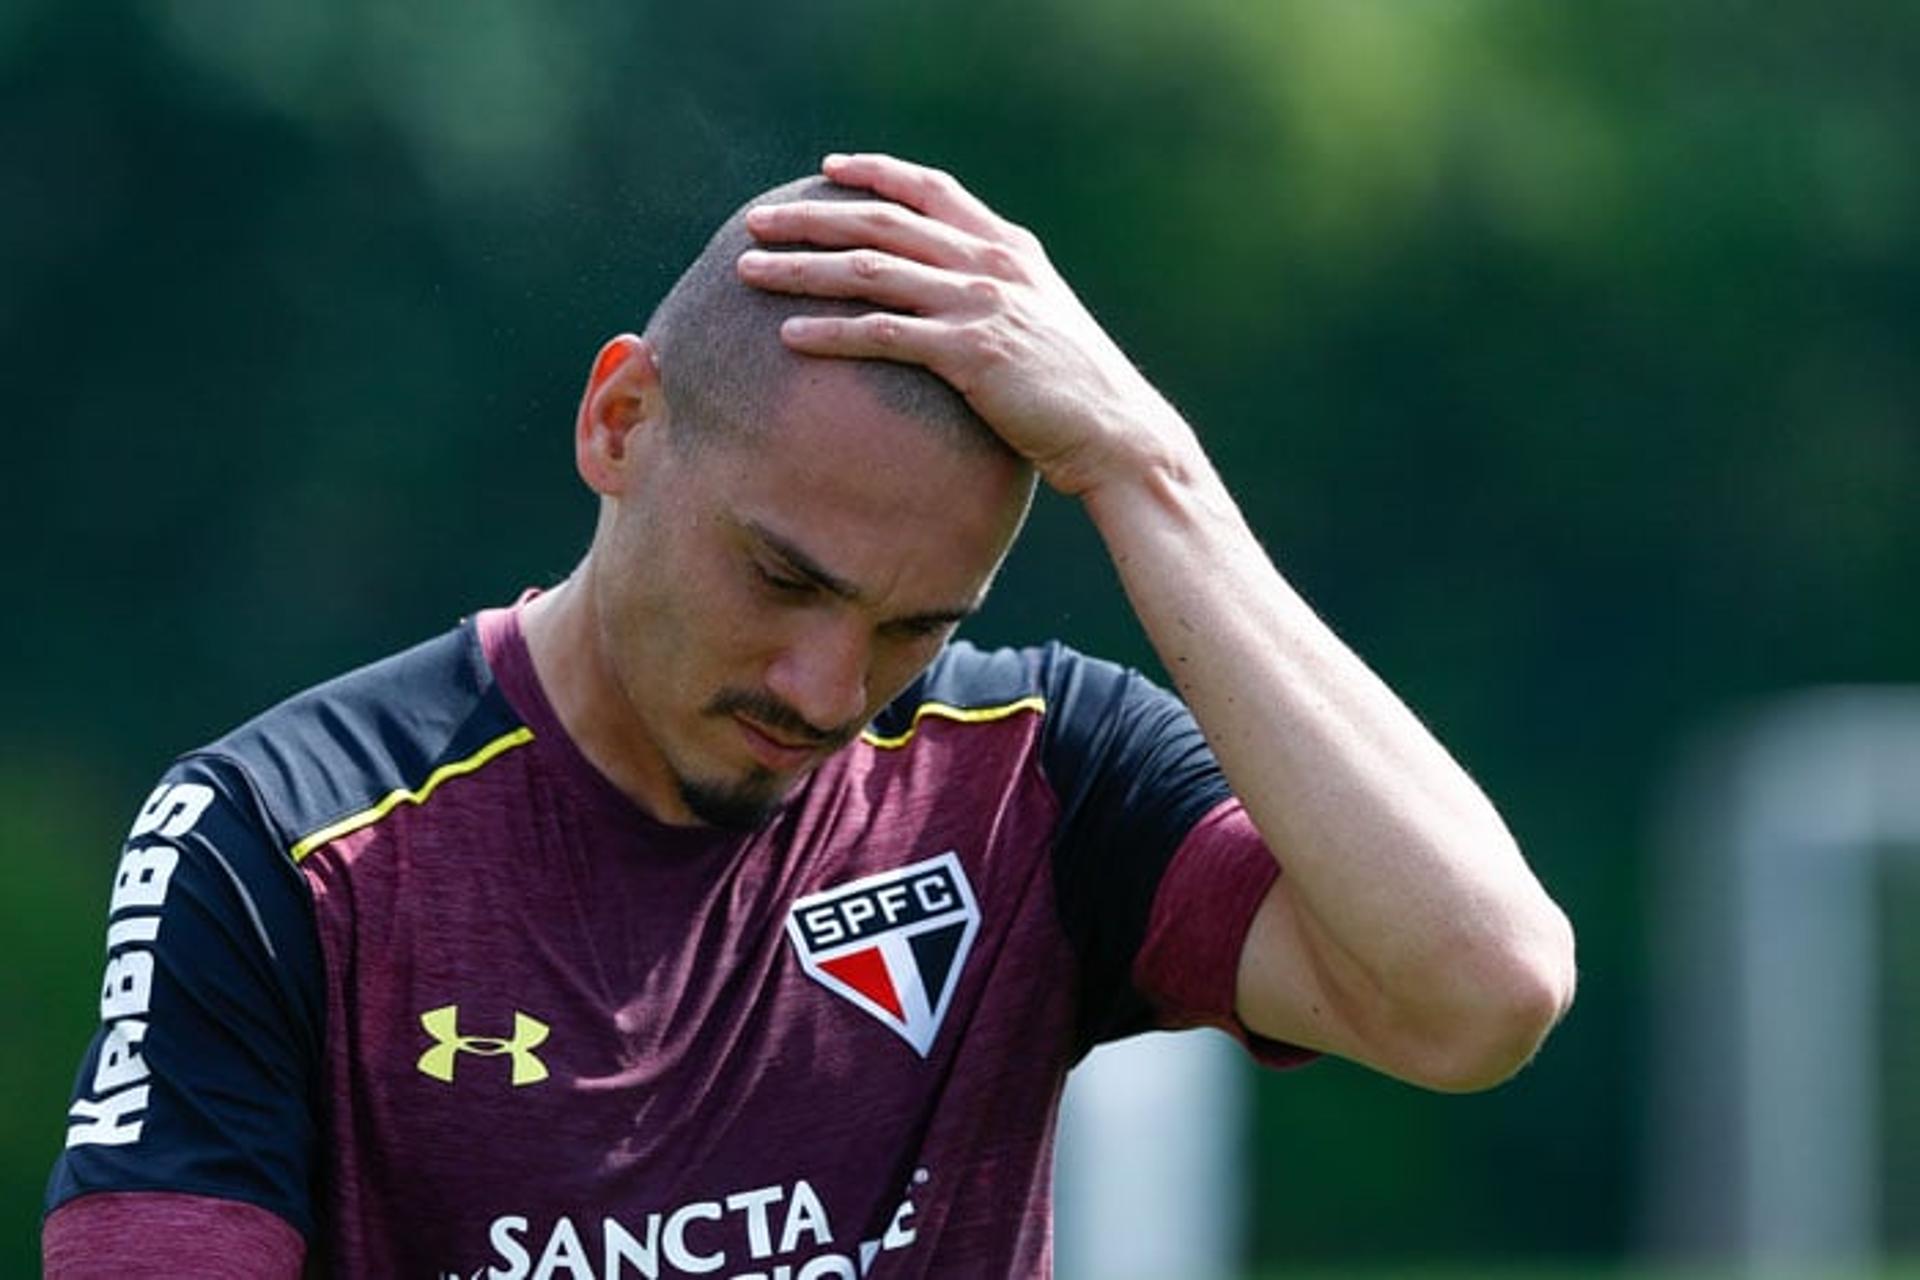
(1765, 1138)
(1151, 1174)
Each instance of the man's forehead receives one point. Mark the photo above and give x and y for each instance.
(914, 403)
(812, 386)
(827, 413)
(869, 493)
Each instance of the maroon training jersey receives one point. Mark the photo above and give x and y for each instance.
(396, 964)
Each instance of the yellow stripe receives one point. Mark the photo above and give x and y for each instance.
(367, 817)
(967, 715)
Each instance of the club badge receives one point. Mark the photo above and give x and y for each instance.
(893, 943)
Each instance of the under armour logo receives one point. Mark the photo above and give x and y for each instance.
(444, 1026)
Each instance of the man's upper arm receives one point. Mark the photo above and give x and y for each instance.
(1291, 985)
(155, 1233)
(200, 1083)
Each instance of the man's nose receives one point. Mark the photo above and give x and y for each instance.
(822, 674)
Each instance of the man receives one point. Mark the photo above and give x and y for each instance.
(710, 914)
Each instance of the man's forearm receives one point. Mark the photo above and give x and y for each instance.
(1394, 856)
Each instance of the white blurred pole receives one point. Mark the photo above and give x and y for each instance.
(1151, 1161)
(1766, 1139)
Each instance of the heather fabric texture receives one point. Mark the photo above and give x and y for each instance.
(156, 1233)
(543, 1033)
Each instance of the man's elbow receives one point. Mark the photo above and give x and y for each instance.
(1515, 1005)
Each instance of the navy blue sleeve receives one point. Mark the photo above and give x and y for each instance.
(203, 1077)
(1133, 776)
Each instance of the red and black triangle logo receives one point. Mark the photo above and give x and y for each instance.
(893, 943)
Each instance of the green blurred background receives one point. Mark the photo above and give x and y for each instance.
(1561, 354)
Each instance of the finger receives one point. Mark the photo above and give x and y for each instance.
(858, 273)
(881, 224)
(877, 336)
(933, 192)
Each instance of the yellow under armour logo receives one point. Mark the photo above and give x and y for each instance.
(443, 1024)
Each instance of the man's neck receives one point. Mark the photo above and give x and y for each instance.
(563, 638)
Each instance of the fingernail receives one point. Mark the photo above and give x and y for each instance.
(835, 157)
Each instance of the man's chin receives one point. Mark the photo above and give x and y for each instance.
(745, 805)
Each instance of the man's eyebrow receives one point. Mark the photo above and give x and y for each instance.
(820, 576)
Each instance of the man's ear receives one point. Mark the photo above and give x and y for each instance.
(623, 395)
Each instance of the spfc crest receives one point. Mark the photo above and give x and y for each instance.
(892, 943)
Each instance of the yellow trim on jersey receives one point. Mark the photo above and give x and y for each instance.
(966, 715)
(367, 817)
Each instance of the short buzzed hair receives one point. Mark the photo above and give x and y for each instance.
(723, 365)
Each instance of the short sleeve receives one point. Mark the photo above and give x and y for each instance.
(202, 1077)
(1188, 964)
(1135, 780)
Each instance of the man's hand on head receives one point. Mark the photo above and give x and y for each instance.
(972, 297)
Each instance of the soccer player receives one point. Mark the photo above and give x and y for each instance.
(712, 913)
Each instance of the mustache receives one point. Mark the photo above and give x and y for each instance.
(765, 709)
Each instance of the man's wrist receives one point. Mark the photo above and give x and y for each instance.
(1167, 475)
(1153, 440)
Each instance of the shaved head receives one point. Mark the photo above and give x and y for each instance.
(724, 368)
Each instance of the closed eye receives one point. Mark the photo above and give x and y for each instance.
(933, 626)
(782, 584)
